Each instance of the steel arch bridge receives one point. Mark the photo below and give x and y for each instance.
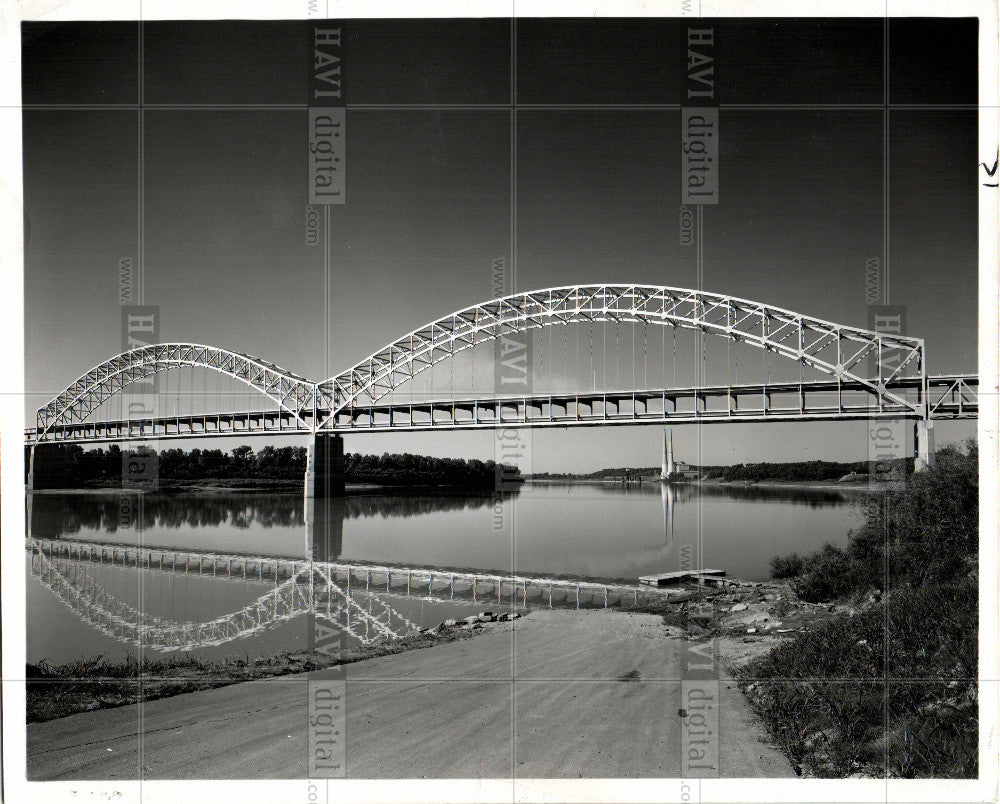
(889, 370)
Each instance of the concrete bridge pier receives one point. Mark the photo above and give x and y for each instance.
(29, 465)
(923, 445)
(44, 469)
(325, 466)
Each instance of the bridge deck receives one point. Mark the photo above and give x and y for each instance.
(949, 397)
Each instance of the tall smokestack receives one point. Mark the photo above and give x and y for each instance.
(667, 465)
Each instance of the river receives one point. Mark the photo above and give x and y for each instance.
(79, 607)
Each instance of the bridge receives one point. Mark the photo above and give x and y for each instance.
(856, 374)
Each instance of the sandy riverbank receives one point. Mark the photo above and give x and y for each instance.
(559, 693)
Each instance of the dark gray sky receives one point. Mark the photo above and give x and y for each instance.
(802, 202)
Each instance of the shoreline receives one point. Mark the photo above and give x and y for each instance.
(818, 485)
(809, 485)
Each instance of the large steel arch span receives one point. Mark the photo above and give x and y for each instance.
(289, 391)
(839, 351)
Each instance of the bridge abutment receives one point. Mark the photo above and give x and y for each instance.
(325, 466)
(923, 445)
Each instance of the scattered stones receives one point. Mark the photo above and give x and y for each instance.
(472, 621)
(739, 607)
(751, 630)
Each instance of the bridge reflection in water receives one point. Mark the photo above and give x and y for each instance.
(364, 602)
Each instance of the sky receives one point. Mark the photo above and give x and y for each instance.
(210, 201)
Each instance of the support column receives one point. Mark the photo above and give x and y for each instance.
(325, 466)
(923, 445)
(29, 461)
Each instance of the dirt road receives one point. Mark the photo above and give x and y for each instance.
(557, 694)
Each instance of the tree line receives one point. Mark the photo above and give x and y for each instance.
(798, 470)
(749, 472)
(68, 466)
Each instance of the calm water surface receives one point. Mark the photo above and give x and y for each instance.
(78, 607)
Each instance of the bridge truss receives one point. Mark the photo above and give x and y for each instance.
(293, 394)
(870, 359)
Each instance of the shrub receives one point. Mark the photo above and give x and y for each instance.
(827, 575)
(787, 566)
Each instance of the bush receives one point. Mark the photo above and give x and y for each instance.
(927, 531)
(829, 574)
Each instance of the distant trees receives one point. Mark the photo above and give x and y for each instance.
(798, 471)
(405, 469)
(69, 466)
(284, 463)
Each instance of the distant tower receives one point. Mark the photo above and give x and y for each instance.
(667, 468)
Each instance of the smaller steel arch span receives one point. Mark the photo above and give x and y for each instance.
(289, 391)
(775, 329)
